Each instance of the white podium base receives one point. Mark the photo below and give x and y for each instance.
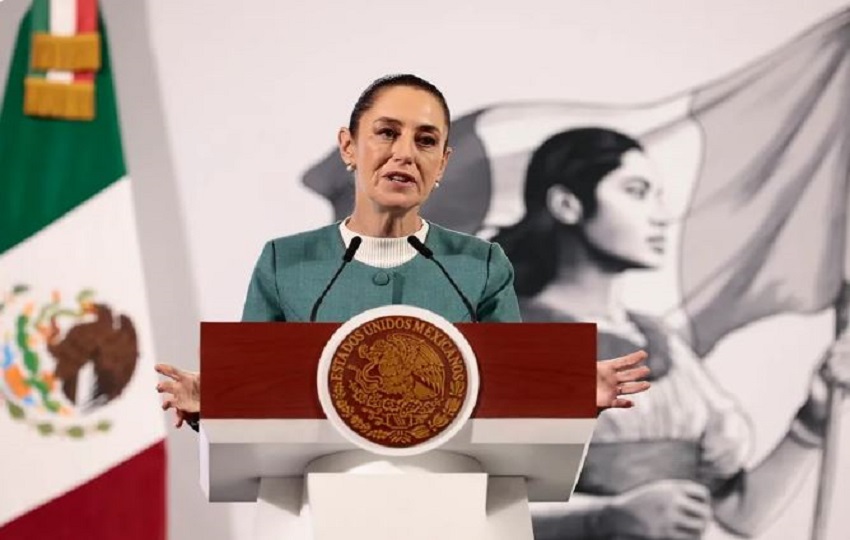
(356, 495)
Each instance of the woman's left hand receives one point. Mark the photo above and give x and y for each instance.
(836, 366)
(620, 377)
(834, 372)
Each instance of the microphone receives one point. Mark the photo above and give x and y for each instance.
(346, 258)
(426, 252)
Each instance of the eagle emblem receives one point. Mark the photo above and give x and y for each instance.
(402, 365)
(397, 381)
(61, 361)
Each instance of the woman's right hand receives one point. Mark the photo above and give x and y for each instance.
(669, 509)
(183, 392)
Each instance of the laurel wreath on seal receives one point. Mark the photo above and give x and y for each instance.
(424, 427)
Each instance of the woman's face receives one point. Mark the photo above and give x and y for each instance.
(630, 220)
(400, 152)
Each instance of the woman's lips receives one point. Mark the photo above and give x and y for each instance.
(400, 178)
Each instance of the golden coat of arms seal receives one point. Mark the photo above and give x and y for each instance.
(396, 380)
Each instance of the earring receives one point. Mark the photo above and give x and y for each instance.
(437, 184)
(349, 167)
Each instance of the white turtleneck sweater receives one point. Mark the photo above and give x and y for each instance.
(383, 252)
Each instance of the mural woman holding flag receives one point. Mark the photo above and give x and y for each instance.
(664, 470)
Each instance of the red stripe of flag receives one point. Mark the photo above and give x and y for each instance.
(127, 502)
(86, 23)
(86, 16)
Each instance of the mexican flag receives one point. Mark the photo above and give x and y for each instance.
(82, 451)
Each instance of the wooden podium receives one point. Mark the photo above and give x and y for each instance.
(265, 438)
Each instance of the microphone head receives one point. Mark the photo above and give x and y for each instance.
(420, 247)
(352, 248)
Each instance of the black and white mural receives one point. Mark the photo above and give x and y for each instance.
(675, 226)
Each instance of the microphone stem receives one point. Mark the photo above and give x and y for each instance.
(352, 248)
(318, 303)
(457, 289)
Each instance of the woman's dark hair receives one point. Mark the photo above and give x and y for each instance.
(368, 97)
(578, 160)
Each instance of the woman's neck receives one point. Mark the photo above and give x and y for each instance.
(384, 224)
(584, 286)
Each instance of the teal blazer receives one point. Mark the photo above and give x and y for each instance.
(292, 272)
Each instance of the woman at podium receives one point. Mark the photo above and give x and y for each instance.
(396, 147)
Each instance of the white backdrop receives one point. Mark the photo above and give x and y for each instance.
(226, 104)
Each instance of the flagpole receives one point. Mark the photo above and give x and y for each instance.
(829, 452)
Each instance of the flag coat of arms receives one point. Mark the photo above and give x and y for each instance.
(82, 451)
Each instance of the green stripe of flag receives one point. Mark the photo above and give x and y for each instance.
(41, 16)
(49, 167)
(40, 23)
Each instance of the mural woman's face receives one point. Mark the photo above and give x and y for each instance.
(630, 220)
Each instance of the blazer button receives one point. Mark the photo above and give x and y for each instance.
(381, 278)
